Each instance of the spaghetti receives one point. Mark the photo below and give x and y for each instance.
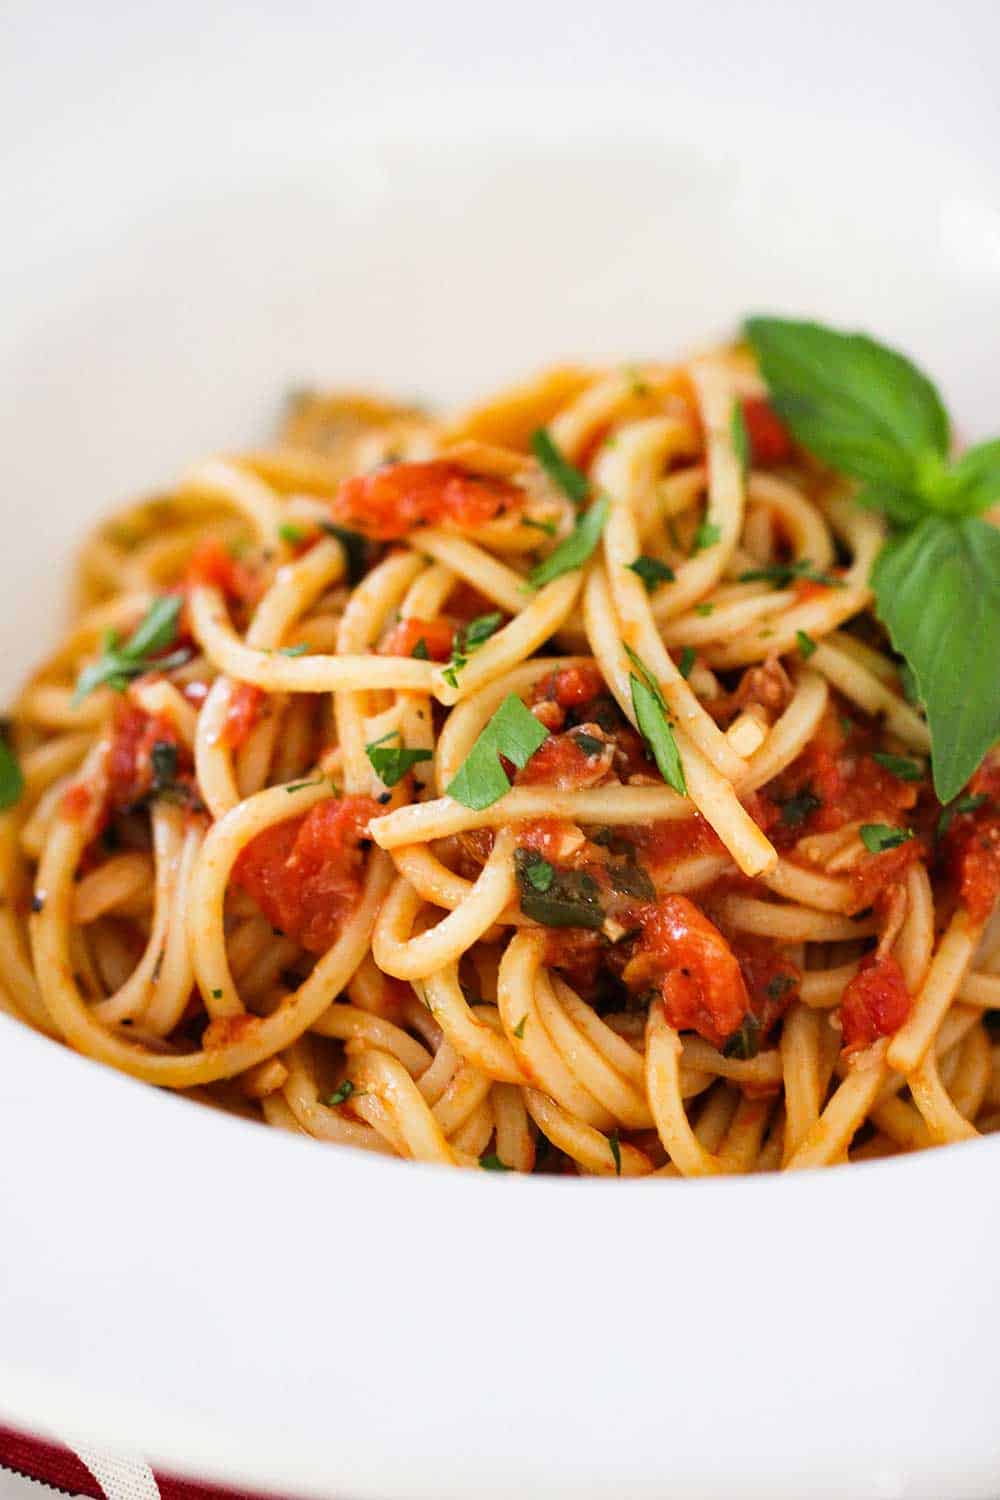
(531, 788)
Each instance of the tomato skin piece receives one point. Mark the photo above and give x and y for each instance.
(770, 440)
(875, 1002)
(698, 975)
(403, 638)
(242, 714)
(214, 565)
(390, 502)
(560, 762)
(570, 687)
(874, 874)
(306, 873)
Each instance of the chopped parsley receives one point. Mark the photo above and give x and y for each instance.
(467, 640)
(575, 549)
(537, 871)
(588, 743)
(300, 649)
(549, 527)
(119, 662)
(341, 1094)
(492, 1163)
(614, 1147)
(300, 786)
(570, 479)
(652, 571)
(420, 650)
(654, 726)
(877, 837)
(519, 1028)
(805, 643)
(291, 534)
(513, 732)
(704, 609)
(968, 804)
(391, 762)
(686, 662)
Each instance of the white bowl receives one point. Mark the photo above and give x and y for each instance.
(236, 1303)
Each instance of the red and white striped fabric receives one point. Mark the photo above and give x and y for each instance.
(101, 1476)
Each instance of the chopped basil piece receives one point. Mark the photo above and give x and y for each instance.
(513, 732)
(616, 1152)
(686, 662)
(492, 1163)
(570, 898)
(569, 479)
(782, 574)
(301, 649)
(704, 609)
(519, 1028)
(216, 994)
(967, 804)
(631, 879)
(420, 650)
(549, 527)
(163, 759)
(589, 743)
(341, 1094)
(901, 766)
(806, 644)
(391, 762)
(745, 1040)
(119, 663)
(877, 837)
(356, 550)
(652, 571)
(299, 786)
(291, 534)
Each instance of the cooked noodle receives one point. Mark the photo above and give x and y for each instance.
(207, 883)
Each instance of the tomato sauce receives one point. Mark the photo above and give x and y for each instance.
(129, 764)
(973, 859)
(306, 873)
(213, 564)
(875, 1003)
(390, 502)
(561, 762)
(874, 875)
(403, 639)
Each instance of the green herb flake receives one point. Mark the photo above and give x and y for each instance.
(569, 479)
(565, 898)
(469, 639)
(740, 437)
(686, 662)
(300, 786)
(513, 732)
(745, 1040)
(519, 1028)
(216, 994)
(901, 766)
(549, 527)
(301, 649)
(614, 1146)
(797, 809)
(779, 986)
(805, 643)
(576, 549)
(781, 574)
(588, 743)
(706, 536)
(341, 1094)
(877, 837)
(704, 610)
(420, 650)
(356, 549)
(11, 775)
(290, 534)
(967, 804)
(652, 572)
(119, 663)
(492, 1163)
(391, 762)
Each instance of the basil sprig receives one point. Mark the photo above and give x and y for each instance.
(120, 661)
(869, 412)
